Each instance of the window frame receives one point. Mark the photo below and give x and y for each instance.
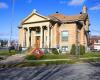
(62, 35)
(64, 48)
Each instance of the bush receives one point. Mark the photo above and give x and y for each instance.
(31, 57)
(82, 49)
(47, 56)
(54, 51)
(73, 49)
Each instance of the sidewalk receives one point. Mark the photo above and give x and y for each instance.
(13, 59)
(46, 60)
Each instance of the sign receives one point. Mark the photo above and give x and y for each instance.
(37, 53)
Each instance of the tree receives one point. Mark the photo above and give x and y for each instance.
(73, 49)
(54, 51)
(82, 49)
(1, 43)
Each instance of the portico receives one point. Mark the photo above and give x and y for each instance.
(37, 36)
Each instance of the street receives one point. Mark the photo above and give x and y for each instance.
(80, 71)
(3, 48)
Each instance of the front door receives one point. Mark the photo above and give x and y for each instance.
(37, 41)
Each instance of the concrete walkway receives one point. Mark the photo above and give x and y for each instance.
(13, 59)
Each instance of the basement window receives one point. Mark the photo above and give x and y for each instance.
(64, 48)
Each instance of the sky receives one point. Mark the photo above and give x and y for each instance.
(12, 15)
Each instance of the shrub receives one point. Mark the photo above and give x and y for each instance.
(82, 49)
(46, 51)
(54, 51)
(31, 57)
(73, 49)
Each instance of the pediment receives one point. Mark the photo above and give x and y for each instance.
(34, 17)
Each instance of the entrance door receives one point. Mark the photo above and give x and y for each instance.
(37, 41)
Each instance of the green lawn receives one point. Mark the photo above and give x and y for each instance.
(90, 54)
(6, 52)
(30, 60)
(64, 56)
(48, 56)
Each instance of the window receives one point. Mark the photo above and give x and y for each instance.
(98, 41)
(64, 48)
(64, 35)
(37, 32)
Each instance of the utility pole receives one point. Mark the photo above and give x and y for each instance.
(12, 20)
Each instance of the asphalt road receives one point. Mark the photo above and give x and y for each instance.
(3, 48)
(83, 71)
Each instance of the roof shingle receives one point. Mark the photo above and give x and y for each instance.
(65, 18)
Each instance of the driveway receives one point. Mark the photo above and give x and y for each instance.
(80, 71)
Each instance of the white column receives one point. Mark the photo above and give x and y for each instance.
(28, 36)
(48, 37)
(51, 38)
(31, 38)
(44, 39)
(41, 37)
(24, 38)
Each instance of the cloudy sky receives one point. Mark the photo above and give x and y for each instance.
(22, 8)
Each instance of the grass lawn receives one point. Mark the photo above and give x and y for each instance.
(74, 58)
(48, 56)
(90, 54)
(30, 60)
(6, 52)
(64, 56)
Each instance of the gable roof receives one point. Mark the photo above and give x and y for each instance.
(31, 14)
(64, 18)
(58, 17)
